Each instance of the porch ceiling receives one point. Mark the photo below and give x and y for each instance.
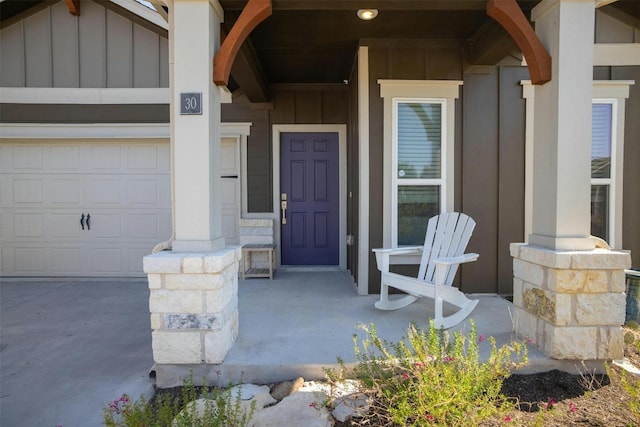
(315, 41)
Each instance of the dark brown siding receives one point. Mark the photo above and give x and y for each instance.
(493, 174)
(511, 172)
(378, 67)
(353, 173)
(77, 113)
(404, 60)
(631, 189)
(489, 153)
(291, 104)
(480, 177)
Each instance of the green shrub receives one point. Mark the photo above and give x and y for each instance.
(221, 409)
(432, 378)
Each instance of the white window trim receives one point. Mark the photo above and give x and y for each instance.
(395, 181)
(363, 167)
(445, 91)
(610, 91)
(612, 181)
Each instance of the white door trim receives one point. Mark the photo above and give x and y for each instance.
(341, 130)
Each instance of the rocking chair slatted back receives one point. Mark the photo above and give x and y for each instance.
(447, 236)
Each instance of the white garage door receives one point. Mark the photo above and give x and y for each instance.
(82, 208)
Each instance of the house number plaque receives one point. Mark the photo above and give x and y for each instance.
(190, 103)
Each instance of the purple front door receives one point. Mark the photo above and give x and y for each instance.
(309, 184)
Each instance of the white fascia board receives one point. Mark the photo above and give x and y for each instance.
(71, 130)
(143, 12)
(56, 95)
(105, 130)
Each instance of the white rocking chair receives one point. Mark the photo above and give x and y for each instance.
(445, 242)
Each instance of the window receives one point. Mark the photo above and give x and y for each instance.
(607, 146)
(418, 161)
(418, 156)
(602, 168)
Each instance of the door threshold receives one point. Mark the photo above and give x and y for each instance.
(310, 268)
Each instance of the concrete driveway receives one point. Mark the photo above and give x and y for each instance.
(69, 347)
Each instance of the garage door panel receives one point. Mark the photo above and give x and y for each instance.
(28, 225)
(27, 190)
(66, 260)
(143, 191)
(142, 157)
(25, 157)
(105, 226)
(103, 157)
(106, 260)
(64, 158)
(27, 259)
(65, 226)
(143, 226)
(102, 191)
(64, 191)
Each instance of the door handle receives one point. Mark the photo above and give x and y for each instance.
(283, 206)
(88, 221)
(82, 221)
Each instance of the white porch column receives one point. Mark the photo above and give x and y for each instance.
(194, 288)
(568, 295)
(194, 38)
(562, 130)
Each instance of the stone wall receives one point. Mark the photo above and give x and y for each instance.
(194, 305)
(257, 231)
(571, 303)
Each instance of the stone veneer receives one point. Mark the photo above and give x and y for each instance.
(194, 305)
(257, 231)
(571, 303)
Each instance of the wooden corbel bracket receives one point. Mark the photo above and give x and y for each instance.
(253, 13)
(73, 6)
(510, 16)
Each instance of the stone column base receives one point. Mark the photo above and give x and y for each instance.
(194, 305)
(570, 303)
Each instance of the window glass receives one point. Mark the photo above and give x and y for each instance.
(416, 204)
(419, 140)
(600, 211)
(601, 141)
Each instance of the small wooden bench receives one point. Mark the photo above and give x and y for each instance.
(248, 250)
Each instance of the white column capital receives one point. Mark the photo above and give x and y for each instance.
(547, 5)
(215, 5)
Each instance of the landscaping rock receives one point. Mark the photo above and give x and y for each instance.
(302, 408)
(251, 392)
(284, 389)
(354, 405)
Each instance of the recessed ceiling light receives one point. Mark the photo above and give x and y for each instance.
(367, 14)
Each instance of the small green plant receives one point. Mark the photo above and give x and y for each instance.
(633, 390)
(198, 406)
(433, 378)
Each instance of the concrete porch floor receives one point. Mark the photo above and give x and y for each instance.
(69, 347)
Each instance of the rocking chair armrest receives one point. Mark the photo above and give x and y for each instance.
(383, 255)
(457, 259)
(404, 250)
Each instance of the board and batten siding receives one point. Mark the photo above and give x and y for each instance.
(291, 104)
(99, 49)
(488, 158)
